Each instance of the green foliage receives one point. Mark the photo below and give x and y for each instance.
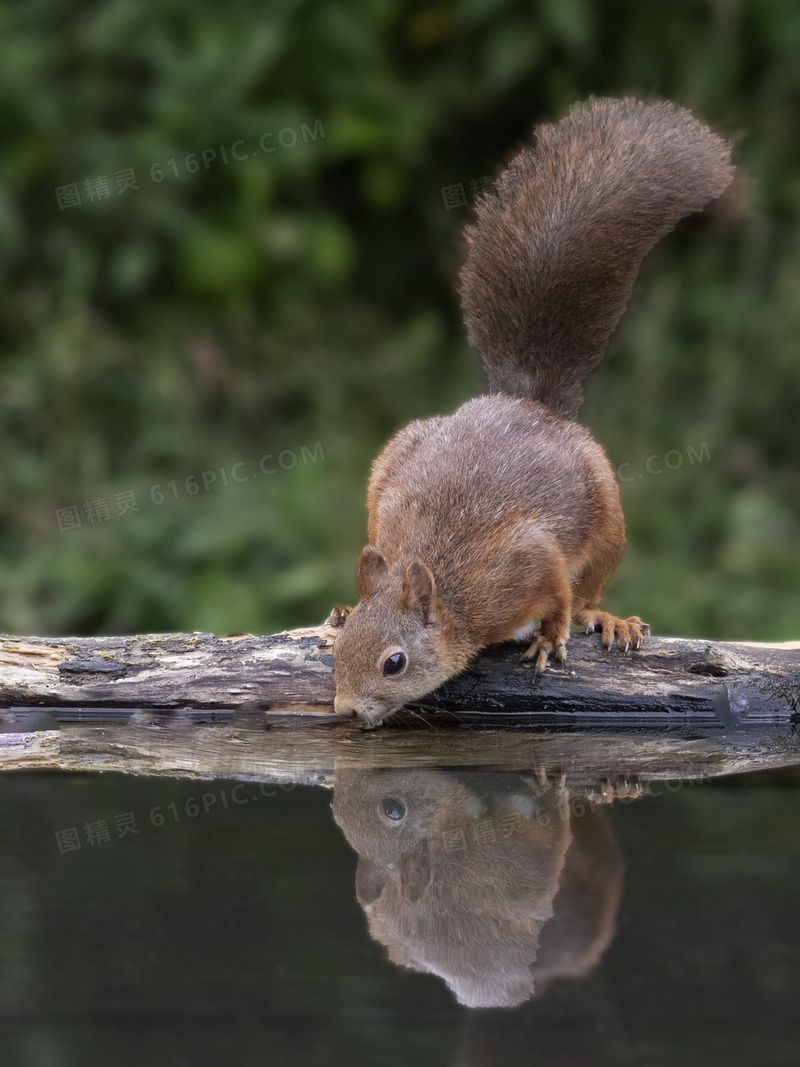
(224, 311)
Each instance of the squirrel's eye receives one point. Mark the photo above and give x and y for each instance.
(394, 664)
(393, 808)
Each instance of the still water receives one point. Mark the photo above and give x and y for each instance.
(412, 914)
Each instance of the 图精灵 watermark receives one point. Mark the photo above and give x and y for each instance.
(100, 509)
(97, 187)
(96, 832)
(456, 195)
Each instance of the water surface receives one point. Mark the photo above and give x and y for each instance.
(383, 916)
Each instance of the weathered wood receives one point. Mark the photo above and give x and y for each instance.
(311, 753)
(671, 680)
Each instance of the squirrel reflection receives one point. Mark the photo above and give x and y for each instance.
(495, 882)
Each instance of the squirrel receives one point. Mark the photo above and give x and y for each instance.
(506, 513)
(497, 914)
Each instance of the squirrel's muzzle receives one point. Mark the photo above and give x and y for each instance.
(345, 708)
(370, 714)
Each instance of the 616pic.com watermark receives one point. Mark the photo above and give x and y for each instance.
(99, 831)
(100, 187)
(93, 512)
(672, 460)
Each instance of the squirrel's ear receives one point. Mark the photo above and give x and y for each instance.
(416, 872)
(371, 571)
(419, 590)
(370, 880)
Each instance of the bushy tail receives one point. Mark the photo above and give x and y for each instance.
(555, 251)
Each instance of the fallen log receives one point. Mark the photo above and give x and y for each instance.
(671, 681)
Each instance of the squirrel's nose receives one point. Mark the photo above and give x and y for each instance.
(344, 708)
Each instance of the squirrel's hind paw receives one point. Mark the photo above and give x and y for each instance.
(628, 633)
(540, 650)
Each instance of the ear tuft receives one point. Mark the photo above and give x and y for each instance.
(419, 590)
(372, 570)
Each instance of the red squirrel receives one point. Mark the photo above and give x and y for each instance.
(506, 513)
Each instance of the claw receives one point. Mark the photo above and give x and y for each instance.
(625, 633)
(541, 649)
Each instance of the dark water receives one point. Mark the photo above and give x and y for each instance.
(657, 930)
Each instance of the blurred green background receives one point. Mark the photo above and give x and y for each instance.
(300, 301)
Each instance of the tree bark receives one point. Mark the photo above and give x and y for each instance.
(671, 681)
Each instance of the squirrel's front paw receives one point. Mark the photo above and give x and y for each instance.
(628, 633)
(622, 789)
(337, 617)
(541, 649)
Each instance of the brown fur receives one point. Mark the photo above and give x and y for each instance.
(504, 512)
(554, 254)
(490, 881)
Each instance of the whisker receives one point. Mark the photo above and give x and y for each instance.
(421, 719)
(432, 707)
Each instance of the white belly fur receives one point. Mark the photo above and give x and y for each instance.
(526, 632)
